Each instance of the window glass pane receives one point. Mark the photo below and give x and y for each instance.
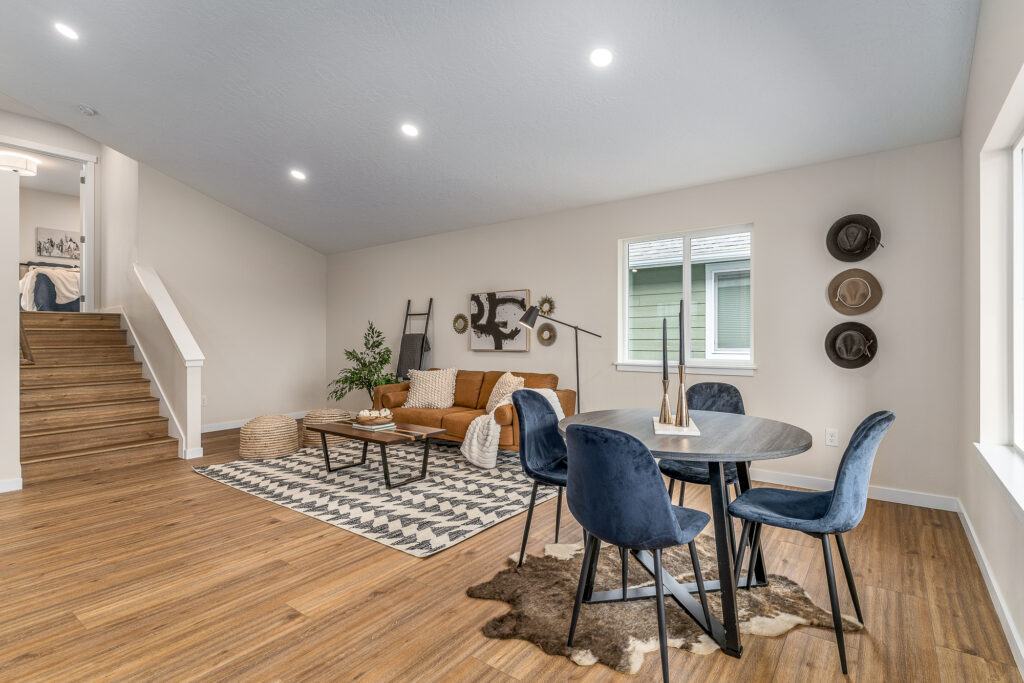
(733, 307)
(655, 288)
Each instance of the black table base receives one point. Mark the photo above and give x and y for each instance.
(384, 460)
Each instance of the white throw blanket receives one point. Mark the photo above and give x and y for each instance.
(65, 282)
(481, 443)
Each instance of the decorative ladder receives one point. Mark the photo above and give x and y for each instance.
(84, 402)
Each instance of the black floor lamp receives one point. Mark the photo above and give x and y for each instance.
(529, 319)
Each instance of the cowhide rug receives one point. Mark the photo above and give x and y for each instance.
(617, 634)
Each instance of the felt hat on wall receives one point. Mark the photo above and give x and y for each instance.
(853, 237)
(854, 291)
(851, 345)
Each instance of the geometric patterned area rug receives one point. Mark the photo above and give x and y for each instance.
(540, 595)
(455, 501)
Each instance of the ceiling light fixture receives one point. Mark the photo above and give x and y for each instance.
(66, 31)
(87, 110)
(18, 163)
(410, 130)
(297, 174)
(601, 57)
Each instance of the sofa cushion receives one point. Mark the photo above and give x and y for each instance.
(467, 387)
(431, 388)
(503, 415)
(456, 423)
(532, 380)
(427, 417)
(393, 399)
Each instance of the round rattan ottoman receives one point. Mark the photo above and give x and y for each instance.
(268, 437)
(319, 417)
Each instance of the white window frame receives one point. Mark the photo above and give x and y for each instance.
(694, 366)
(1017, 300)
(711, 272)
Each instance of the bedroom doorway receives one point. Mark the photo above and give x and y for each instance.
(56, 219)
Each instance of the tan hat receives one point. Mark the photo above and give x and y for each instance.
(854, 291)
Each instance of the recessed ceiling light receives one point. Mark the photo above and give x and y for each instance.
(66, 31)
(410, 130)
(601, 57)
(297, 174)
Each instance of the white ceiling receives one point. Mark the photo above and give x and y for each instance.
(228, 95)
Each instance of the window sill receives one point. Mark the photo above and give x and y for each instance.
(712, 368)
(1007, 464)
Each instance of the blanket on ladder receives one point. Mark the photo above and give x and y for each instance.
(480, 446)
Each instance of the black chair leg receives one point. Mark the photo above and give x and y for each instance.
(837, 618)
(624, 558)
(659, 592)
(682, 492)
(742, 548)
(671, 487)
(699, 578)
(529, 518)
(558, 514)
(849, 576)
(755, 548)
(584, 571)
(595, 556)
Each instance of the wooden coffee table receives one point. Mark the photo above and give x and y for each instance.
(395, 436)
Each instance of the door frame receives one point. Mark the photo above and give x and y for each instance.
(87, 205)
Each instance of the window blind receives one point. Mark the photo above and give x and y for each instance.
(733, 310)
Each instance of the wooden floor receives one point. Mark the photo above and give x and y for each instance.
(155, 572)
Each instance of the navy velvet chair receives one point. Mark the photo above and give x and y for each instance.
(718, 397)
(616, 493)
(541, 452)
(820, 513)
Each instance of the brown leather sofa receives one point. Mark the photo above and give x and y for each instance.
(472, 390)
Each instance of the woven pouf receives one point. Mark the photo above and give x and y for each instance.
(268, 437)
(319, 417)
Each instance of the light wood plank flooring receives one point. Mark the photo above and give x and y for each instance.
(154, 572)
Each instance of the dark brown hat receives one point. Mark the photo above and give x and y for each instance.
(851, 345)
(853, 237)
(854, 291)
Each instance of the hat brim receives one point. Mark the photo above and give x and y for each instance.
(833, 355)
(874, 237)
(852, 273)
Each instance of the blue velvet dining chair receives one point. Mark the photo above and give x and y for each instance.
(541, 452)
(616, 493)
(819, 513)
(717, 397)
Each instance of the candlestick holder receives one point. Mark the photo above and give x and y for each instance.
(666, 405)
(682, 409)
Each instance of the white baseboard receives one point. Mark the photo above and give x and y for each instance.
(7, 485)
(192, 453)
(235, 424)
(1012, 635)
(890, 495)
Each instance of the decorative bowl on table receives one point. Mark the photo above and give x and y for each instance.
(373, 418)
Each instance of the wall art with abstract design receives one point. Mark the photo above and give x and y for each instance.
(494, 321)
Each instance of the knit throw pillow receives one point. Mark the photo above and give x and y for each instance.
(505, 385)
(431, 388)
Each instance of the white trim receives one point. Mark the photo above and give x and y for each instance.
(711, 272)
(147, 371)
(8, 485)
(186, 344)
(1013, 636)
(192, 453)
(885, 493)
(235, 424)
(49, 150)
(732, 370)
(1007, 465)
(90, 255)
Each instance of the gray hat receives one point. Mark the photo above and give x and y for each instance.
(853, 237)
(851, 345)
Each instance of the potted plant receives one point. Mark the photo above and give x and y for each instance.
(370, 368)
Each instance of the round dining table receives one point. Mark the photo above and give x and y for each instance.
(724, 438)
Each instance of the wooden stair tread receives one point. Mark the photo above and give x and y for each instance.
(102, 450)
(87, 364)
(87, 383)
(91, 404)
(92, 426)
(79, 347)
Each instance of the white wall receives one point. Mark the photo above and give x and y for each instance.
(914, 193)
(10, 368)
(998, 58)
(47, 210)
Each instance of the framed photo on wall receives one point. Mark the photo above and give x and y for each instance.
(59, 243)
(494, 321)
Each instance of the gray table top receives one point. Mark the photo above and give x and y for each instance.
(724, 437)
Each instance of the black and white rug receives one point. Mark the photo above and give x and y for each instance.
(455, 501)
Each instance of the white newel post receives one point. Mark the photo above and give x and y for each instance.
(194, 410)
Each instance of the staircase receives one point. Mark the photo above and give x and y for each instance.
(85, 405)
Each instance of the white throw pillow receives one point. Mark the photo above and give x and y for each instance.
(505, 385)
(431, 388)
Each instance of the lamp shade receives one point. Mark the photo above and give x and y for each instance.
(529, 318)
(19, 163)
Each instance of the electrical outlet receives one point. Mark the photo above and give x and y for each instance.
(204, 400)
(831, 436)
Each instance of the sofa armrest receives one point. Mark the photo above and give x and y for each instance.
(378, 393)
(504, 415)
(567, 397)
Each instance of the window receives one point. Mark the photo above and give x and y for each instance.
(711, 270)
(1018, 296)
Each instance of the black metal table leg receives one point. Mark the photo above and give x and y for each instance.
(409, 480)
(327, 456)
(726, 579)
(760, 573)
